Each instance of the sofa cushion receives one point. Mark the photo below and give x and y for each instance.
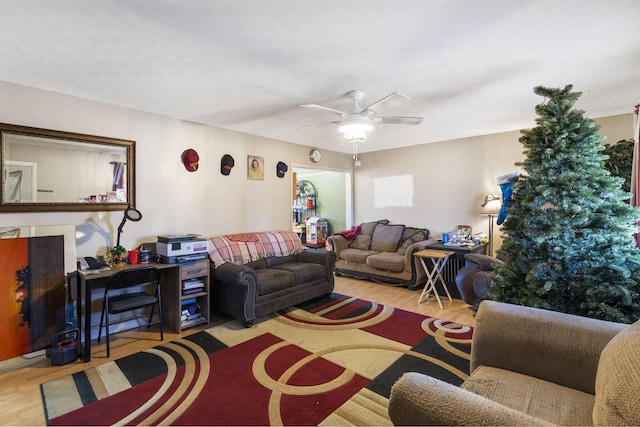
(367, 228)
(256, 265)
(387, 261)
(542, 399)
(361, 242)
(272, 279)
(618, 380)
(272, 261)
(386, 237)
(304, 272)
(416, 237)
(356, 255)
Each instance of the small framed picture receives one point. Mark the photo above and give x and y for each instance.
(464, 231)
(255, 168)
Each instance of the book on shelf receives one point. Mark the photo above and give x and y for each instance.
(192, 283)
(190, 316)
(192, 290)
(195, 321)
(191, 308)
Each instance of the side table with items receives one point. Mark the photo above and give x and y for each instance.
(456, 261)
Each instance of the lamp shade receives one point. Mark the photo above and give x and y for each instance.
(491, 205)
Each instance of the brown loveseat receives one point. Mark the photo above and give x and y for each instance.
(255, 274)
(382, 252)
(532, 367)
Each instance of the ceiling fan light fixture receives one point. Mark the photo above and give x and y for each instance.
(356, 137)
(356, 127)
(356, 132)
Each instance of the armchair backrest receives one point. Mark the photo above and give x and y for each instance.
(618, 380)
(481, 262)
(519, 339)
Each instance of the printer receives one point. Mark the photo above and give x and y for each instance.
(174, 249)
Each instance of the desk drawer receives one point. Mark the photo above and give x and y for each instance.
(197, 269)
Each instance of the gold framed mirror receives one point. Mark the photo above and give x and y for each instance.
(49, 170)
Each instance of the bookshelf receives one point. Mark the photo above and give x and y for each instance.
(187, 304)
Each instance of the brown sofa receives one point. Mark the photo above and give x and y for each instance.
(382, 252)
(532, 367)
(255, 274)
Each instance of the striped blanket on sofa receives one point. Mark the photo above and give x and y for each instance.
(246, 247)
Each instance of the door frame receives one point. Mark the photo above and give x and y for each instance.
(349, 200)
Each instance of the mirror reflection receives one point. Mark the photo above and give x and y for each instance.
(51, 170)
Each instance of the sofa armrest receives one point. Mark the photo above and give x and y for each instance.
(417, 399)
(234, 285)
(464, 283)
(412, 264)
(338, 243)
(317, 256)
(556, 347)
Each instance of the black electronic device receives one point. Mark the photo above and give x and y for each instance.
(93, 263)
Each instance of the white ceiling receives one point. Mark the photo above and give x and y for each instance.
(469, 66)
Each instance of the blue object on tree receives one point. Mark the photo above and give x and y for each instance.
(507, 191)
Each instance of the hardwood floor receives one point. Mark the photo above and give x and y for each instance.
(456, 310)
(20, 400)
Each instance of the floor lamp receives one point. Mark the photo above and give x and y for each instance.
(491, 208)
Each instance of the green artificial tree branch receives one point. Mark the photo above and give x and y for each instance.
(569, 236)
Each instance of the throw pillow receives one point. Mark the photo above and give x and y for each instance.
(418, 237)
(408, 232)
(367, 228)
(361, 242)
(386, 237)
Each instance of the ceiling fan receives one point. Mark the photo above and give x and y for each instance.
(366, 118)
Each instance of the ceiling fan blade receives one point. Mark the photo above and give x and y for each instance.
(389, 101)
(320, 107)
(400, 120)
(318, 125)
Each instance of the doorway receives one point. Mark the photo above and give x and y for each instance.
(332, 199)
(20, 179)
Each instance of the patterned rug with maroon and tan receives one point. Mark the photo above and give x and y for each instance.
(331, 361)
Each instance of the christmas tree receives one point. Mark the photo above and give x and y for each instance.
(568, 237)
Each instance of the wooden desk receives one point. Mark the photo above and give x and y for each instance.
(171, 277)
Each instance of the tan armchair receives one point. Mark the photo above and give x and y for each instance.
(532, 367)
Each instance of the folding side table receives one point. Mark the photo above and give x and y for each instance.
(439, 260)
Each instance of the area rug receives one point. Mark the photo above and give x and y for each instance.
(331, 361)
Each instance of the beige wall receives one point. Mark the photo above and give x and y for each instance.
(450, 179)
(171, 200)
